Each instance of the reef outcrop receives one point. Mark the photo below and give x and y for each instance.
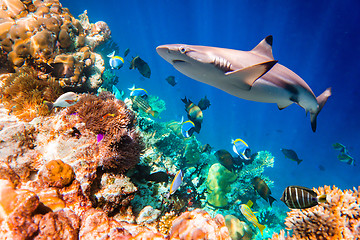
(338, 218)
(45, 36)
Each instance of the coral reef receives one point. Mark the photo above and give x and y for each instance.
(17, 207)
(218, 184)
(198, 224)
(44, 35)
(165, 222)
(56, 173)
(238, 230)
(338, 218)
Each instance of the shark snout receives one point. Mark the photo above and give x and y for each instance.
(170, 53)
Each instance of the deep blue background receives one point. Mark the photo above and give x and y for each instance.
(319, 40)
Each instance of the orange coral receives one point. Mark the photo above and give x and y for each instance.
(339, 218)
(56, 173)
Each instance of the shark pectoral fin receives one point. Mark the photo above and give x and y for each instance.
(245, 78)
(281, 106)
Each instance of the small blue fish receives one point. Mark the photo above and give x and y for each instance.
(176, 182)
(117, 93)
(187, 128)
(138, 92)
(242, 149)
(115, 62)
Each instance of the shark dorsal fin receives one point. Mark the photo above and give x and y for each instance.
(264, 48)
(245, 78)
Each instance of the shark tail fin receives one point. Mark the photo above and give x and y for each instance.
(321, 101)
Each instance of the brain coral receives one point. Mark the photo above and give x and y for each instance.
(339, 218)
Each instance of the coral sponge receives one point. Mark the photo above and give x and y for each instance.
(339, 218)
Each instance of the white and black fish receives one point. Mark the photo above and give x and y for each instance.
(297, 197)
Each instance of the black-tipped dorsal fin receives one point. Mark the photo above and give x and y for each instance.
(264, 48)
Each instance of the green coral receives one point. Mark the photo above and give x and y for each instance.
(110, 79)
(156, 103)
(218, 183)
(192, 152)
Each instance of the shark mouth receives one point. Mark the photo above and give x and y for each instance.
(177, 61)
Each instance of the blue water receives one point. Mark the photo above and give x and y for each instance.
(318, 40)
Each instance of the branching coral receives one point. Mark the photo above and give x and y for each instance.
(23, 93)
(108, 117)
(339, 218)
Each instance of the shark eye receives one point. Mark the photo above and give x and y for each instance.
(182, 49)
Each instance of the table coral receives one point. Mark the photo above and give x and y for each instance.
(198, 224)
(339, 218)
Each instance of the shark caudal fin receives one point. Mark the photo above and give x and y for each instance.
(321, 101)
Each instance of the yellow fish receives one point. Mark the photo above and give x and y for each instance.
(249, 215)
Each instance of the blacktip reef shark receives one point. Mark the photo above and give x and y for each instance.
(252, 75)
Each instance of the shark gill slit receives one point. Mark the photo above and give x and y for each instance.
(222, 64)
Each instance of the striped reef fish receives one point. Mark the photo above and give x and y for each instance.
(297, 197)
(250, 216)
(176, 182)
(139, 102)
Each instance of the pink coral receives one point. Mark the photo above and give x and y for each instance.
(198, 224)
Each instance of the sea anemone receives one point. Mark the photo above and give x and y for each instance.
(110, 118)
(23, 94)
